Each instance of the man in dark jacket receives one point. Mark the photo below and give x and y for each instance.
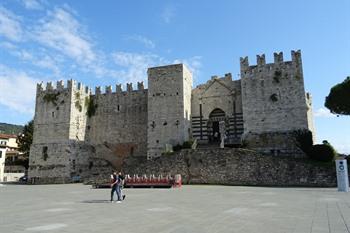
(114, 185)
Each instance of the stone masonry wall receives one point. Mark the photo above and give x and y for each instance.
(119, 126)
(169, 107)
(222, 93)
(236, 167)
(52, 113)
(62, 163)
(273, 95)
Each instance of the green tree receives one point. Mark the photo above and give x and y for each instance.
(338, 99)
(25, 139)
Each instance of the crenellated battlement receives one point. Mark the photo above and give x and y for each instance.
(78, 86)
(119, 89)
(261, 61)
(60, 86)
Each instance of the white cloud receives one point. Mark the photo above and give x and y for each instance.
(40, 59)
(168, 14)
(8, 45)
(323, 113)
(62, 32)
(33, 4)
(10, 26)
(17, 90)
(343, 148)
(147, 42)
(135, 65)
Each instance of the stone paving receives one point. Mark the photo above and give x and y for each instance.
(78, 208)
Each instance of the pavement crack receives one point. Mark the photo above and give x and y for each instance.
(342, 216)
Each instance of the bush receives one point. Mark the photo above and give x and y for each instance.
(303, 140)
(177, 147)
(187, 144)
(322, 152)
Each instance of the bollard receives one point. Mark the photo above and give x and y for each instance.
(342, 175)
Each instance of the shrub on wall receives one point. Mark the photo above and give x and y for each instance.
(51, 97)
(322, 152)
(187, 144)
(177, 147)
(303, 140)
(91, 107)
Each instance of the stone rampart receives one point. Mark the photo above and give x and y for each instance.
(236, 167)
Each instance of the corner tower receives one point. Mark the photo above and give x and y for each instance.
(169, 107)
(59, 126)
(274, 102)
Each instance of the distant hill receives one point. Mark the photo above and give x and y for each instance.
(10, 129)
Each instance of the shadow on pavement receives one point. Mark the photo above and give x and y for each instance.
(96, 201)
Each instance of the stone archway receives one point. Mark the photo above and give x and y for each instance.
(215, 117)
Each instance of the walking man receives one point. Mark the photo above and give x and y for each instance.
(121, 178)
(114, 186)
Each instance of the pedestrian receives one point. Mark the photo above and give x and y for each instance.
(114, 186)
(121, 178)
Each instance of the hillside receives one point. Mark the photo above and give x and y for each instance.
(10, 129)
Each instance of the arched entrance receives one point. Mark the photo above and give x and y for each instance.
(215, 117)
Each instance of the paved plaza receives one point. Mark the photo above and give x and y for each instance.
(79, 208)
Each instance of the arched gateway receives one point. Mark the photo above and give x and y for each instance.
(215, 117)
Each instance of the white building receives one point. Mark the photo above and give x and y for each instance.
(9, 152)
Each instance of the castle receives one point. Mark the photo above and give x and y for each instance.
(72, 125)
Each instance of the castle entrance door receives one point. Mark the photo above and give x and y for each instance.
(215, 117)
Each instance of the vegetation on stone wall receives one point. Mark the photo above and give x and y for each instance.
(185, 145)
(77, 102)
(322, 152)
(276, 77)
(338, 99)
(303, 140)
(51, 98)
(319, 152)
(91, 106)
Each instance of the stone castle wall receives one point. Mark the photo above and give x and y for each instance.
(118, 128)
(64, 162)
(236, 167)
(273, 95)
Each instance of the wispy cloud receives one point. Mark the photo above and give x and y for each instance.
(168, 13)
(40, 59)
(10, 26)
(17, 90)
(141, 39)
(62, 32)
(134, 65)
(194, 64)
(33, 4)
(342, 147)
(323, 113)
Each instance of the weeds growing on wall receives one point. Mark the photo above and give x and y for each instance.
(91, 106)
(51, 98)
(77, 102)
(276, 77)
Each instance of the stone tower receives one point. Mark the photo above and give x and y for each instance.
(274, 102)
(59, 127)
(169, 107)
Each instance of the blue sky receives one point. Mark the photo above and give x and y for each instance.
(108, 42)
